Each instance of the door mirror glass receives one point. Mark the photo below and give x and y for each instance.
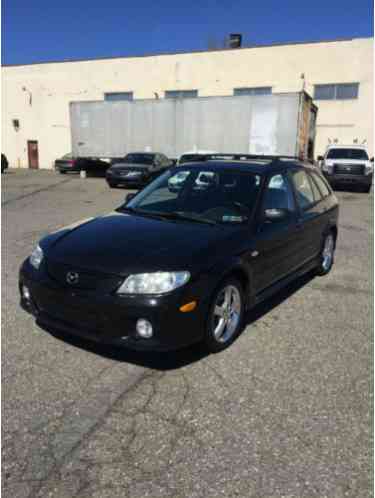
(276, 214)
(129, 197)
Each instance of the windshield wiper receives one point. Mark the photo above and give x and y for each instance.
(182, 216)
(197, 219)
(166, 216)
(139, 212)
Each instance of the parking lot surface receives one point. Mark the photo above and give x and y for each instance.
(284, 412)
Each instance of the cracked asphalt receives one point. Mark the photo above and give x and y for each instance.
(286, 411)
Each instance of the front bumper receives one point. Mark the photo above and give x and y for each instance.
(340, 179)
(110, 318)
(118, 179)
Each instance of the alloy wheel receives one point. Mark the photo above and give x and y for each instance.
(226, 313)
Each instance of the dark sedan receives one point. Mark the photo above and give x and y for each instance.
(137, 169)
(70, 164)
(185, 257)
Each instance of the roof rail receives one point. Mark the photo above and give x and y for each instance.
(244, 157)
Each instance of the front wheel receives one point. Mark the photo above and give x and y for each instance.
(225, 316)
(327, 254)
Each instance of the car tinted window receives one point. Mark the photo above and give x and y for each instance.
(347, 154)
(278, 194)
(140, 158)
(321, 184)
(303, 187)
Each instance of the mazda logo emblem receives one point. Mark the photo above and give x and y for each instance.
(72, 277)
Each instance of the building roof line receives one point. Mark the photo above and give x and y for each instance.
(162, 54)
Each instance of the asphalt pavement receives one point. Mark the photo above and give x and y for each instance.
(286, 411)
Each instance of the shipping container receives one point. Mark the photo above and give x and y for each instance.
(277, 124)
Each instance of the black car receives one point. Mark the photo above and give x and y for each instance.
(184, 258)
(4, 162)
(70, 164)
(137, 168)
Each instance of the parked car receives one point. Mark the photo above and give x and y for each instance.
(4, 163)
(348, 165)
(137, 169)
(173, 267)
(70, 164)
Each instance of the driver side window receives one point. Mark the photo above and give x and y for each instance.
(278, 194)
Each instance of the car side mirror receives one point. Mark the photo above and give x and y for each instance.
(320, 158)
(275, 214)
(129, 197)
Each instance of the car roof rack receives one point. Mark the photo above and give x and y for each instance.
(245, 157)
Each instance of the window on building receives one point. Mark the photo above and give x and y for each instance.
(181, 94)
(337, 91)
(118, 96)
(258, 90)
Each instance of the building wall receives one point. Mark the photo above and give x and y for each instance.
(39, 94)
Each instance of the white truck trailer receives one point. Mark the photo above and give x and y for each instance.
(277, 124)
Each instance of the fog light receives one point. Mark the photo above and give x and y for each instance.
(26, 293)
(144, 328)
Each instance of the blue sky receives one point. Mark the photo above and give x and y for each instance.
(42, 30)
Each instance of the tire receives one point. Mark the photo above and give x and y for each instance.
(327, 254)
(367, 189)
(62, 172)
(221, 330)
(112, 185)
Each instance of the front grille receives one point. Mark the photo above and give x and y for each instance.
(349, 169)
(87, 280)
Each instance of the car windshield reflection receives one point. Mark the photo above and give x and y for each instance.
(200, 194)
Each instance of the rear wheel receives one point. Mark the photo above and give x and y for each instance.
(225, 316)
(62, 172)
(112, 184)
(367, 189)
(327, 254)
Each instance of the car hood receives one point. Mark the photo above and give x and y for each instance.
(130, 166)
(122, 243)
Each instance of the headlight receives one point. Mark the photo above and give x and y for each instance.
(36, 257)
(154, 283)
(328, 168)
(369, 168)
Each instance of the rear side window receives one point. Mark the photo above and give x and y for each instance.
(278, 194)
(321, 184)
(316, 191)
(305, 195)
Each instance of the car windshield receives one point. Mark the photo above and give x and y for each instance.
(347, 154)
(200, 194)
(139, 158)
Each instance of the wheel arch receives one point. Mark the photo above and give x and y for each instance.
(243, 275)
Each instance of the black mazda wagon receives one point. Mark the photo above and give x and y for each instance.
(185, 257)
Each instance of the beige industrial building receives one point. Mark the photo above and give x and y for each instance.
(338, 74)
